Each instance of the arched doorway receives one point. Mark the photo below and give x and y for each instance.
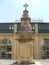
(44, 48)
(5, 49)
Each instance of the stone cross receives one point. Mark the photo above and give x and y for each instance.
(25, 6)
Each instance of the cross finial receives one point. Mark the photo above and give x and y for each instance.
(25, 6)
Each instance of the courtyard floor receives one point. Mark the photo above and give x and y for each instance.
(42, 62)
(37, 62)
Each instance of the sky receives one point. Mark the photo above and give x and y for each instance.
(12, 10)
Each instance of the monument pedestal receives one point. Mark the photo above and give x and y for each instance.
(25, 46)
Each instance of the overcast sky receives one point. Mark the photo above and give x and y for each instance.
(11, 10)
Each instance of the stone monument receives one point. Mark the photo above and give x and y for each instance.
(25, 41)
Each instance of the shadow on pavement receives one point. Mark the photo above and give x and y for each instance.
(23, 63)
(19, 64)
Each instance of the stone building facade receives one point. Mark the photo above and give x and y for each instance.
(24, 39)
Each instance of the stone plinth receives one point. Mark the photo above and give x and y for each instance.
(25, 46)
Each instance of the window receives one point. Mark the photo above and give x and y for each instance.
(8, 48)
(11, 27)
(43, 27)
(18, 26)
(46, 43)
(33, 27)
(3, 54)
(6, 27)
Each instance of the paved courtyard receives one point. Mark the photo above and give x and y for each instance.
(6, 62)
(42, 62)
(37, 62)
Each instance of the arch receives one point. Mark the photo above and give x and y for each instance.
(5, 48)
(44, 44)
(5, 41)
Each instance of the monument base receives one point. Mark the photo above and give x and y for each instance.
(25, 48)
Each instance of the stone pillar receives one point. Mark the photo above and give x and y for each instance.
(0, 50)
(15, 27)
(14, 47)
(36, 48)
(36, 28)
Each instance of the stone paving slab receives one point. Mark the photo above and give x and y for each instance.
(42, 62)
(6, 62)
(37, 63)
